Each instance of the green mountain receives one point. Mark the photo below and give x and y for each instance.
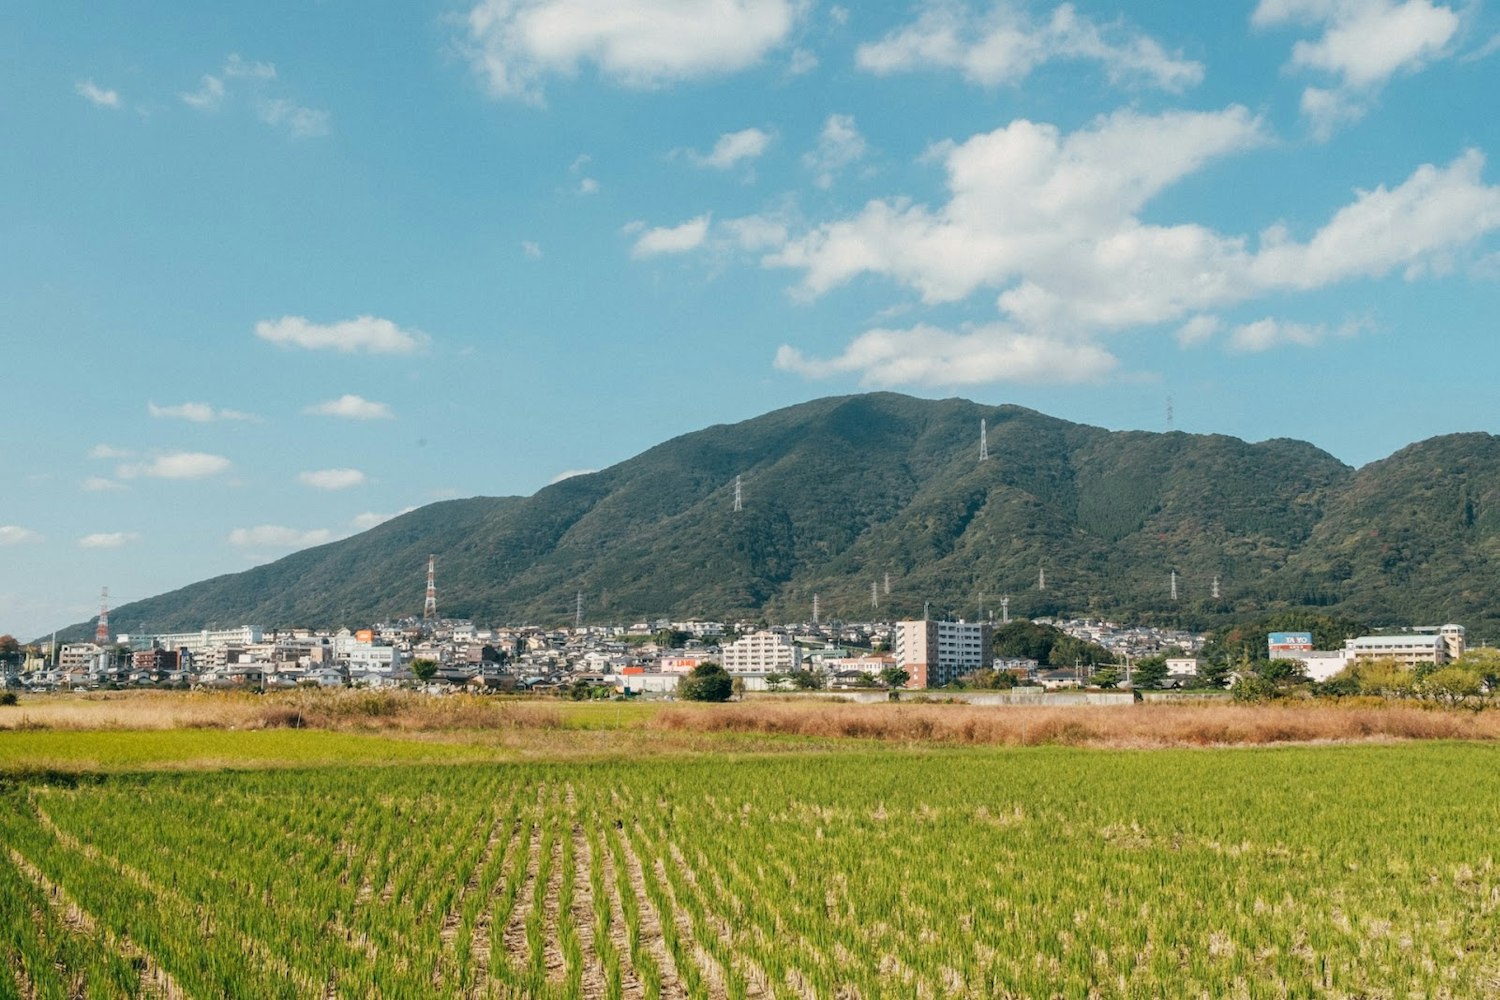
(840, 492)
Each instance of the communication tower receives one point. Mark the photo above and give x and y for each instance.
(1169, 413)
(1174, 585)
(1005, 610)
(984, 441)
(1216, 587)
(429, 606)
(874, 594)
(815, 609)
(578, 611)
(739, 500)
(101, 632)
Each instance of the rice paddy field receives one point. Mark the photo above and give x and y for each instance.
(332, 864)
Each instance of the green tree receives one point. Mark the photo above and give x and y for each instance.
(10, 649)
(894, 677)
(1107, 676)
(807, 680)
(706, 682)
(1451, 685)
(424, 669)
(1212, 674)
(1149, 673)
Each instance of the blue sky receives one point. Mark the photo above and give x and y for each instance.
(271, 272)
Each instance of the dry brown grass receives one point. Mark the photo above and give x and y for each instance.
(309, 709)
(1142, 726)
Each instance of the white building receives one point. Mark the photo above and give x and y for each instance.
(207, 640)
(935, 653)
(761, 653)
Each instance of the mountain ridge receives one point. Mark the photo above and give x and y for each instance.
(840, 491)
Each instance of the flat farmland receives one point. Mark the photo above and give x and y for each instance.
(845, 870)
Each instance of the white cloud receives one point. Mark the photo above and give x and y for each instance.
(735, 147)
(367, 334)
(672, 239)
(1199, 330)
(931, 356)
(199, 413)
(1262, 335)
(569, 474)
(1006, 44)
(531, 249)
(1407, 227)
(242, 69)
(302, 122)
(332, 479)
(275, 536)
(14, 534)
(108, 540)
(755, 232)
(803, 61)
(101, 484)
(515, 44)
(1363, 44)
(588, 185)
(839, 145)
(176, 465)
(98, 96)
(208, 97)
(351, 407)
(109, 451)
(369, 519)
(1051, 222)
(1055, 211)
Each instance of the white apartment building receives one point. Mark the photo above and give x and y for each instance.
(205, 641)
(761, 653)
(935, 653)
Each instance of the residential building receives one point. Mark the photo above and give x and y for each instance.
(764, 652)
(935, 653)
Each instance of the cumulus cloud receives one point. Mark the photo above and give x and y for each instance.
(176, 465)
(198, 413)
(839, 145)
(332, 479)
(1051, 222)
(302, 122)
(531, 249)
(109, 451)
(351, 407)
(363, 334)
(96, 95)
(369, 519)
(14, 534)
(734, 148)
(108, 540)
(208, 97)
(275, 536)
(1264, 334)
(1363, 43)
(569, 474)
(101, 484)
(671, 239)
(1025, 199)
(1005, 44)
(932, 356)
(515, 44)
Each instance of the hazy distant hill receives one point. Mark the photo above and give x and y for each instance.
(839, 492)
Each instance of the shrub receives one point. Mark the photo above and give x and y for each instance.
(707, 682)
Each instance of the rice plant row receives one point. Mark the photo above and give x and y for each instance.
(965, 873)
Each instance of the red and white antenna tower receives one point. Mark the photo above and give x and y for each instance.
(101, 631)
(429, 606)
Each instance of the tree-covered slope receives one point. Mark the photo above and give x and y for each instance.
(845, 492)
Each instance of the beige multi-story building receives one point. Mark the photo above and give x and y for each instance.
(763, 652)
(935, 653)
(1428, 645)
